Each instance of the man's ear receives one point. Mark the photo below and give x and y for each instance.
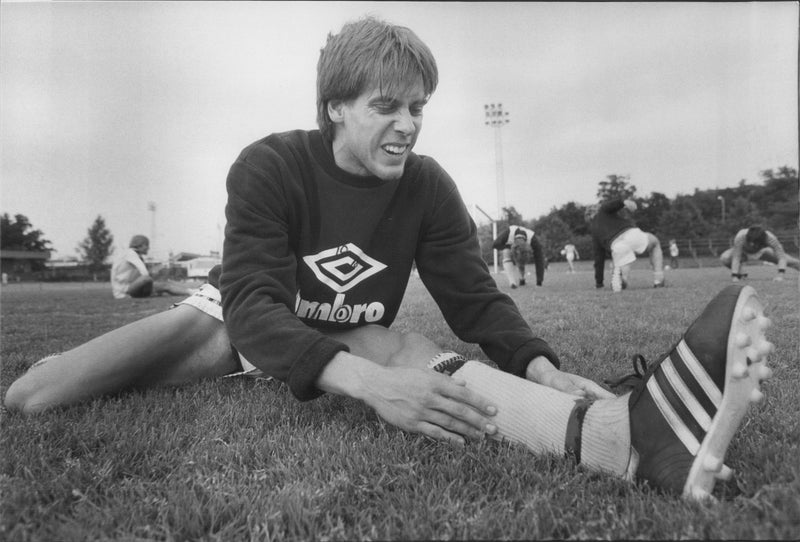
(336, 111)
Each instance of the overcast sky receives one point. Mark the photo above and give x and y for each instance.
(105, 107)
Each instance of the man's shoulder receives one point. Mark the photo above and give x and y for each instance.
(422, 164)
(424, 173)
(278, 144)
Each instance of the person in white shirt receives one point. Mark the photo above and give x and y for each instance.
(673, 253)
(571, 253)
(130, 277)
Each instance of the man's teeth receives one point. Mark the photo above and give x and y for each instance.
(394, 149)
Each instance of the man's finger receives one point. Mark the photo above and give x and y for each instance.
(469, 397)
(451, 423)
(598, 391)
(438, 433)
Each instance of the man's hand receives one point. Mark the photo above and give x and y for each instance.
(416, 400)
(430, 403)
(541, 371)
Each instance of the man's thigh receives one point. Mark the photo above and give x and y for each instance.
(388, 347)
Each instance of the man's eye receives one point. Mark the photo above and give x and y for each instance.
(416, 111)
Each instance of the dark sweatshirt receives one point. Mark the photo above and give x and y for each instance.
(309, 246)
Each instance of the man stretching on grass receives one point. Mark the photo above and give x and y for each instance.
(323, 228)
(757, 243)
(613, 232)
(518, 246)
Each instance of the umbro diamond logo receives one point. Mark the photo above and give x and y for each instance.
(343, 267)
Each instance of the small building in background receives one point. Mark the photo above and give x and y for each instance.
(18, 264)
(196, 266)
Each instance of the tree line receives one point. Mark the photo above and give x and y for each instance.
(706, 216)
(706, 219)
(19, 234)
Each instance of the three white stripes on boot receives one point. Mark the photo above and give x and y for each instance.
(686, 396)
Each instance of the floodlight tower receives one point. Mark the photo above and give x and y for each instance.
(497, 118)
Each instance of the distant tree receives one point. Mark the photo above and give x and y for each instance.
(553, 234)
(96, 247)
(617, 186)
(20, 235)
(573, 216)
(648, 215)
(779, 201)
(743, 213)
(512, 217)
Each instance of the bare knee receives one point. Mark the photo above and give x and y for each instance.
(653, 244)
(387, 346)
(413, 350)
(26, 395)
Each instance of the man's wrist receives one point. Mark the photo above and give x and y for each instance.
(538, 367)
(346, 375)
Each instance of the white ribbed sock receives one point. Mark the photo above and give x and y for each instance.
(527, 413)
(537, 417)
(607, 435)
(616, 279)
(511, 272)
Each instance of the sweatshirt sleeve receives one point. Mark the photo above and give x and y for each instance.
(502, 240)
(258, 280)
(450, 265)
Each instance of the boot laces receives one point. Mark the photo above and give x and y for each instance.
(629, 382)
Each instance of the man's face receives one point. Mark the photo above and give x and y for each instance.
(375, 133)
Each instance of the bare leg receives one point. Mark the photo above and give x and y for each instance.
(768, 255)
(177, 346)
(656, 258)
(626, 273)
(387, 347)
(509, 268)
(172, 288)
(727, 257)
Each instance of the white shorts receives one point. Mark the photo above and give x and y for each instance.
(208, 300)
(627, 245)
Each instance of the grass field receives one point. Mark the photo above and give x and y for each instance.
(240, 459)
